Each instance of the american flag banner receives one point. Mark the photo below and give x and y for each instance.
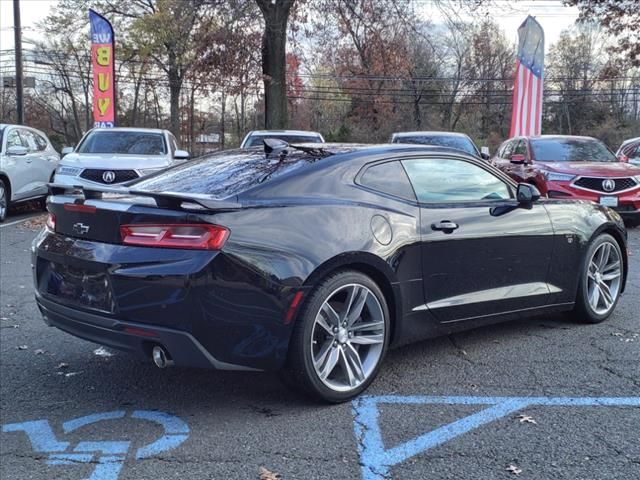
(526, 112)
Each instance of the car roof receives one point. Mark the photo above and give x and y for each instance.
(630, 140)
(234, 172)
(130, 129)
(286, 132)
(557, 137)
(429, 133)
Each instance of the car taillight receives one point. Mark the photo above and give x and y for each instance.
(51, 222)
(190, 236)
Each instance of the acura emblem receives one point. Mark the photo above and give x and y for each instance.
(109, 176)
(80, 228)
(608, 185)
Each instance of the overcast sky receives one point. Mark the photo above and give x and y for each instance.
(509, 14)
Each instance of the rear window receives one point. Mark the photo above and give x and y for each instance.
(389, 178)
(223, 174)
(256, 140)
(132, 143)
(452, 141)
(571, 150)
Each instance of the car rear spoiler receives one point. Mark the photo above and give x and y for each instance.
(174, 200)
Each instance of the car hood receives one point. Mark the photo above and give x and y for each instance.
(113, 161)
(600, 169)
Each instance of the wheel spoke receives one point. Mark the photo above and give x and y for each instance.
(330, 314)
(610, 276)
(355, 362)
(322, 355)
(332, 359)
(367, 326)
(604, 255)
(594, 295)
(368, 339)
(613, 266)
(320, 320)
(355, 304)
(606, 294)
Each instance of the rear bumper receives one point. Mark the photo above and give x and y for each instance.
(184, 349)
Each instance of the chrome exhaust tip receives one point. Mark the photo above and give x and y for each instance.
(161, 357)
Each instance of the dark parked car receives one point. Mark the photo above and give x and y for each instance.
(316, 261)
(457, 141)
(564, 166)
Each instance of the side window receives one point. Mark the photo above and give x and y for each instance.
(441, 180)
(389, 178)
(173, 144)
(29, 139)
(521, 149)
(508, 150)
(14, 139)
(41, 142)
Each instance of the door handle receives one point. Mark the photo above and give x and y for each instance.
(446, 226)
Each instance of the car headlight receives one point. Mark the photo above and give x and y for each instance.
(65, 170)
(558, 177)
(148, 171)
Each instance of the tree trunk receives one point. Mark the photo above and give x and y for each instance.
(175, 86)
(223, 111)
(274, 42)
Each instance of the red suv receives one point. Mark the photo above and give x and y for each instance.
(563, 166)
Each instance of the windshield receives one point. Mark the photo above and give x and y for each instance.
(452, 141)
(256, 140)
(132, 143)
(571, 150)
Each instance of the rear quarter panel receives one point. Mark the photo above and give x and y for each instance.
(575, 224)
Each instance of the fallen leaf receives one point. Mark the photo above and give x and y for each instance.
(22, 347)
(616, 334)
(527, 419)
(62, 365)
(268, 474)
(513, 469)
(71, 374)
(102, 352)
(39, 351)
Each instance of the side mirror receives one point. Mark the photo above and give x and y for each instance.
(517, 158)
(17, 150)
(66, 151)
(181, 155)
(526, 194)
(484, 153)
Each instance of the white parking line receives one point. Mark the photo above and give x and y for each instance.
(15, 222)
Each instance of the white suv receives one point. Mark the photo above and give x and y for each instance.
(27, 163)
(110, 156)
(255, 138)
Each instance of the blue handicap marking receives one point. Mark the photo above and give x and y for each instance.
(376, 460)
(109, 455)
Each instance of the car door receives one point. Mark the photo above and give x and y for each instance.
(17, 167)
(41, 161)
(482, 253)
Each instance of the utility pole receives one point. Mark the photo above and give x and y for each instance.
(17, 30)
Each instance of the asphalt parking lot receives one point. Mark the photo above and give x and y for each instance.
(537, 399)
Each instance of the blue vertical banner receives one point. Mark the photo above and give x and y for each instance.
(104, 71)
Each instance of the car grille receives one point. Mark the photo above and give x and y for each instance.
(95, 175)
(596, 184)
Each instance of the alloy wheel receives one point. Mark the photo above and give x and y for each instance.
(347, 338)
(603, 278)
(3, 202)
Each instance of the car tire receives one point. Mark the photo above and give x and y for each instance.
(4, 200)
(334, 329)
(600, 282)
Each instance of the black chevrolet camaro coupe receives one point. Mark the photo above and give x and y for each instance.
(315, 259)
